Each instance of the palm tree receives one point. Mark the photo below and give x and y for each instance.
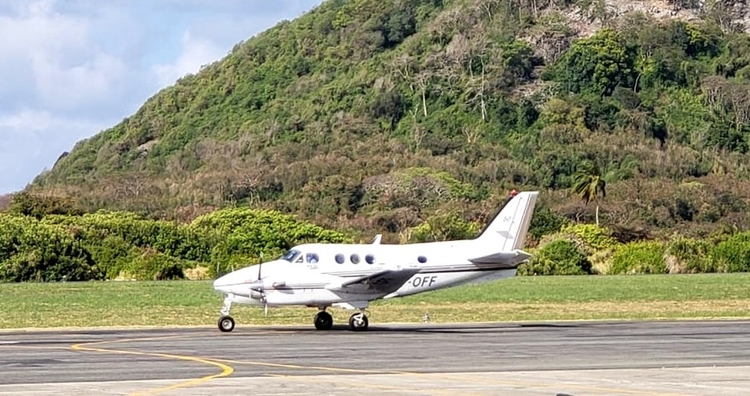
(588, 183)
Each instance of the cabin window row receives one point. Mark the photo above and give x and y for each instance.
(354, 258)
(370, 259)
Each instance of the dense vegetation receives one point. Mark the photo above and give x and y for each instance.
(121, 245)
(414, 118)
(372, 116)
(44, 239)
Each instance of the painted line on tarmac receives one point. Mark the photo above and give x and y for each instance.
(590, 388)
(225, 369)
(432, 376)
(299, 367)
(359, 383)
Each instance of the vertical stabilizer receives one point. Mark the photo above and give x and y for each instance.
(508, 229)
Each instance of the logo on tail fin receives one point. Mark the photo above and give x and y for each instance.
(508, 229)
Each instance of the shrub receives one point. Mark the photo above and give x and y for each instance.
(120, 244)
(444, 227)
(639, 258)
(243, 235)
(687, 255)
(45, 253)
(593, 241)
(594, 237)
(545, 222)
(733, 254)
(561, 257)
(153, 265)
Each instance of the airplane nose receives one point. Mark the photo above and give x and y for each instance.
(221, 283)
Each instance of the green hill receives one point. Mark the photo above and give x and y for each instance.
(373, 116)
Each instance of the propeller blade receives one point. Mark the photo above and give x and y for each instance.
(265, 309)
(260, 265)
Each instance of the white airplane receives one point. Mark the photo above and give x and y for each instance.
(352, 275)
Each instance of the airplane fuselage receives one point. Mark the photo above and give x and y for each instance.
(310, 277)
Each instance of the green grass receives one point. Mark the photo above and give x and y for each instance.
(35, 305)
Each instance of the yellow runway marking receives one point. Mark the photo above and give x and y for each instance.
(228, 370)
(225, 369)
(298, 367)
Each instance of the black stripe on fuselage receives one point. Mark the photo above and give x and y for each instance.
(426, 271)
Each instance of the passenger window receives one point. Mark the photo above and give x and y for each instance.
(355, 258)
(370, 259)
(422, 259)
(340, 258)
(312, 258)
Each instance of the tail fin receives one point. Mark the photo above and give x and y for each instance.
(508, 229)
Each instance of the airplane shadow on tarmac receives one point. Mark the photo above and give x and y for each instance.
(429, 328)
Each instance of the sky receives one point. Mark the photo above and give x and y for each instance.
(72, 68)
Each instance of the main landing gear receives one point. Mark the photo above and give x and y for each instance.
(323, 320)
(357, 322)
(226, 322)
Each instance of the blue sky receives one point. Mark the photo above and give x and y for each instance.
(71, 68)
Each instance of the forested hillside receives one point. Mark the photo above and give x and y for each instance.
(374, 116)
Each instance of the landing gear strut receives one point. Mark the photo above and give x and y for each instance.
(323, 320)
(226, 322)
(358, 321)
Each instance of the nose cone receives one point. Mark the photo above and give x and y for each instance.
(223, 284)
(237, 281)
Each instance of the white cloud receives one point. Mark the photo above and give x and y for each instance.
(29, 146)
(53, 61)
(69, 69)
(72, 87)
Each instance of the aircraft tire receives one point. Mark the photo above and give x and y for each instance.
(353, 325)
(226, 324)
(323, 321)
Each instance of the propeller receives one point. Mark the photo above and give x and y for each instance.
(262, 292)
(257, 286)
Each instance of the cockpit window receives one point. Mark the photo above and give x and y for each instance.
(290, 255)
(312, 258)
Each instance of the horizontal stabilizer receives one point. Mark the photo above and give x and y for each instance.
(380, 282)
(510, 259)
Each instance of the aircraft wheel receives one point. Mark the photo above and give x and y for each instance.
(358, 322)
(323, 321)
(226, 324)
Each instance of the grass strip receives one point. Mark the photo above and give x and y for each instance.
(189, 303)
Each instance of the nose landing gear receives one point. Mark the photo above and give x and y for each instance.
(226, 322)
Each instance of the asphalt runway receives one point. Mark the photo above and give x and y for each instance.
(559, 358)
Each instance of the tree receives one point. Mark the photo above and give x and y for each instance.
(596, 64)
(588, 183)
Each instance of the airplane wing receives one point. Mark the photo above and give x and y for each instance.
(383, 282)
(510, 259)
